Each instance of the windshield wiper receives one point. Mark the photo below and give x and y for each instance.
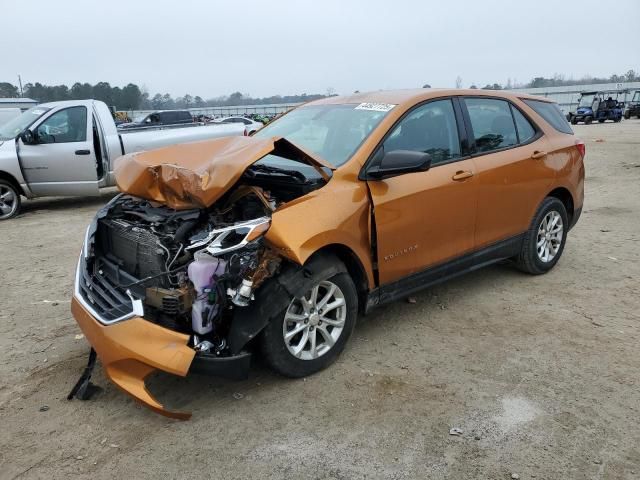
(282, 171)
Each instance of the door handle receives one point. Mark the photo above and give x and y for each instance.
(462, 175)
(538, 154)
(83, 152)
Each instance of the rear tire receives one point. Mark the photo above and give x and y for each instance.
(574, 121)
(10, 201)
(302, 339)
(588, 120)
(544, 242)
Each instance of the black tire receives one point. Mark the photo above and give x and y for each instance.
(574, 121)
(588, 120)
(9, 208)
(601, 120)
(627, 115)
(528, 260)
(272, 342)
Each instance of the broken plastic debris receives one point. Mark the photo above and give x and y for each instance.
(412, 300)
(238, 396)
(455, 431)
(79, 336)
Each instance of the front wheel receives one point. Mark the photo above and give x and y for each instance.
(588, 120)
(543, 243)
(10, 201)
(312, 330)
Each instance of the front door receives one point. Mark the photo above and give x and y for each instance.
(62, 161)
(426, 218)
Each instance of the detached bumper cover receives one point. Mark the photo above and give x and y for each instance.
(133, 349)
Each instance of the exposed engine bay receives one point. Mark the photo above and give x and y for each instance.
(190, 269)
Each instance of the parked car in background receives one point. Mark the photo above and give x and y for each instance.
(272, 244)
(159, 118)
(252, 126)
(7, 114)
(633, 107)
(69, 148)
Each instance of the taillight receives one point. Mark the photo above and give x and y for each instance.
(581, 148)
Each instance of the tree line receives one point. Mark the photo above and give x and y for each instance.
(559, 80)
(133, 97)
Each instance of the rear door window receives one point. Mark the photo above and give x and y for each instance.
(430, 128)
(492, 124)
(551, 113)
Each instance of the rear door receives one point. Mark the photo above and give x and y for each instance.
(63, 161)
(425, 218)
(510, 154)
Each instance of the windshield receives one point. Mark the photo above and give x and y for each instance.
(334, 132)
(139, 118)
(636, 96)
(15, 127)
(586, 100)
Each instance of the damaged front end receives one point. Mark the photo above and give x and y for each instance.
(163, 282)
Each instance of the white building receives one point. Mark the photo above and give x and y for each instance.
(21, 103)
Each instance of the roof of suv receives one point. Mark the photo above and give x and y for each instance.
(398, 97)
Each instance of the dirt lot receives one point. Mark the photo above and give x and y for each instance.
(539, 373)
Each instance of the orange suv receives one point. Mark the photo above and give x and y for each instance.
(272, 244)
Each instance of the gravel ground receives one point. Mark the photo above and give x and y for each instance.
(539, 373)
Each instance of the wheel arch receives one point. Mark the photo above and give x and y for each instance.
(564, 195)
(11, 179)
(354, 266)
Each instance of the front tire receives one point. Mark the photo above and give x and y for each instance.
(310, 332)
(544, 242)
(10, 201)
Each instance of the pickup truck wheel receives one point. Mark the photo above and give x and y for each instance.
(312, 330)
(544, 241)
(10, 201)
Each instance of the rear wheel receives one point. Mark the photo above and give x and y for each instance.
(588, 120)
(10, 201)
(543, 243)
(574, 120)
(627, 115)
(312, 330)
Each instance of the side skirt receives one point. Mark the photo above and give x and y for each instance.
(445, 271)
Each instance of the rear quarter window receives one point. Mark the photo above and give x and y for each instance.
(551, 113)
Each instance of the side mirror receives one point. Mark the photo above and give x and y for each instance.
(399, 162)
(28, 137)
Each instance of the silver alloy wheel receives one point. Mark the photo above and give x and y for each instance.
(8, 202)
(313, 323)
(549, 236)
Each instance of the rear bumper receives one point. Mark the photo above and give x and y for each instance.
(133, 349)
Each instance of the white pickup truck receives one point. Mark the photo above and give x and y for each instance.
(68, 149)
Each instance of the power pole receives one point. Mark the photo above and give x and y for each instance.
(20, 83)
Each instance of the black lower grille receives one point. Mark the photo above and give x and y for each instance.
(100, 289)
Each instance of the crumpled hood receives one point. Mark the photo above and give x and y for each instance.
(196, 175)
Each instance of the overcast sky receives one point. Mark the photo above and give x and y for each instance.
(213, 48)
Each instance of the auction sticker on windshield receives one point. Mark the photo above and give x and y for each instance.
(376, 107)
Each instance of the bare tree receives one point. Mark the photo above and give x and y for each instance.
(458, 81)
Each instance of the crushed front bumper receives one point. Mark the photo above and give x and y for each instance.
(132, 349)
